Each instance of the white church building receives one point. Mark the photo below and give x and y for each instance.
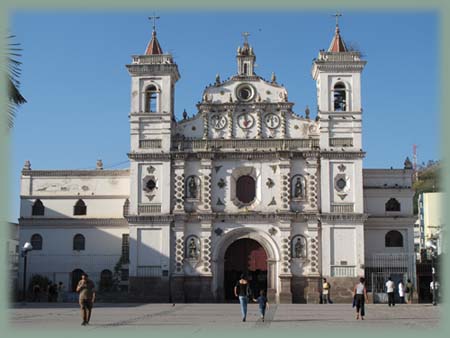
(244, 185)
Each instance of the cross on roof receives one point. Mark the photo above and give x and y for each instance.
(337, 15)
(154, 18)
(245, 35)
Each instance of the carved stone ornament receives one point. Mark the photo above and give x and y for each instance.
(342, 167)
(218, 231)
(219, 202)
(273, 202)
(217, 168)
(272, 231)
(270, 183)
(342, 196)
(221, 184)
(274, 168)
(151, 169)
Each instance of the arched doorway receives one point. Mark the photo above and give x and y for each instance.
(245, 256)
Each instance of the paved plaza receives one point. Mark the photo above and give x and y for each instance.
(193, 318)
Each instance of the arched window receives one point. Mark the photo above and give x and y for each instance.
(106, 280)
(126, 207)
(78, 242)
(76, 277)
(38, 208)
(151, 97)
(392, 205)
(298, 247)
(246, 189)
(192, 247)
(394, 239)
(36, 242)
(79, 208)
(340, 97)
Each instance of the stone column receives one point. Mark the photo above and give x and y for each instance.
(205, 176)
(285, 180)
(205, 124)
(312, 185)
(285, 293)
(177, 278)
(178, 189)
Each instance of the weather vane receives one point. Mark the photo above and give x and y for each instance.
(154, 18)
(337, 15)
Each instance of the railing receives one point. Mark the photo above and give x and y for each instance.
(149, 271)
(341, 142)
(152, 59)
(150, 144)
(149, 208)
(285, 144)
(343, 271)
(342, 208)
(349, 56)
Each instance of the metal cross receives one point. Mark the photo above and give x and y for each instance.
(245, 35)
(154, 18)
(337, 15)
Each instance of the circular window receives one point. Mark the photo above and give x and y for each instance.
(341, 183)
(151, 184)
(245, 92)
(245, 189)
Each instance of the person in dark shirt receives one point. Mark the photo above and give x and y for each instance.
(242, 291)
(263, 303)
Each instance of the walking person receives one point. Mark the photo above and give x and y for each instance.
(409, 291)
(61, 291)
(36, 293)
(436, 293)
(263, 303)
(390, 286)
(359, 296)
(86, 289)
(242, 291)
(326, 292)
(401, 292)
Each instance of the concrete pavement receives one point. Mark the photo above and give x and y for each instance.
(197, 317)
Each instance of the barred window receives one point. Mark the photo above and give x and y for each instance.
(79, 208)
(126, 248)
(394, 239)
(78, 242)
(36, 242)
(38, 208)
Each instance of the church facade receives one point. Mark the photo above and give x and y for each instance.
(245, 185)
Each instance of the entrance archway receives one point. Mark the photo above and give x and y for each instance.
(245, 256)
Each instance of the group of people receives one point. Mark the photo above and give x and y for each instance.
(55, 292)
(405, 292)
(243, 292)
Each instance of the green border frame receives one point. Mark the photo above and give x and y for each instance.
(442, 7)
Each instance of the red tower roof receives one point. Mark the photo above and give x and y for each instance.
(153, 47)
(337, 44)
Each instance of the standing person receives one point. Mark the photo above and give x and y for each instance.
(401, 292)
(61, 291)
(87, 297)
(409, 291)
(360, 295)
(390, 286)
(326, 292)
(242, 291)
(50, 292)
(263, 303)
(436, 293)
(36, 293)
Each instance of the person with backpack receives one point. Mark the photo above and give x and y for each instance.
(242, 291)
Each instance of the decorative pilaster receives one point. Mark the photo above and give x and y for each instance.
(178, 189)
(285, 179)
(206, 247)
(205, 125)
(179, 248)
(312, 183)
(230, 124)
(258, 124)
(283, 124)
(205, 176)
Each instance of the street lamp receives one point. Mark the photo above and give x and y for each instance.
(26, 248)
(430, 245)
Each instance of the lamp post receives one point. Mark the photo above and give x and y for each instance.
(430, 245)
(26, 248)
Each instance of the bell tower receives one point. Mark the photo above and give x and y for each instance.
(153, 78)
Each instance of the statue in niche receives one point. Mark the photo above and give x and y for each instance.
(192, 188)
(299, 247)
(192, 249)
(299, 188)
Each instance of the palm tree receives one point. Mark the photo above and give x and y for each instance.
(14, 95)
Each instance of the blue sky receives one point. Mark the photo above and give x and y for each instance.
(77, 87)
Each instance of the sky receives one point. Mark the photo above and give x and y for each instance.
(78, 89)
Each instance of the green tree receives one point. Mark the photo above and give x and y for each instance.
(13, 74)
(428, 180)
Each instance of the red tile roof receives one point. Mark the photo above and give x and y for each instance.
(337, 44)
(153, 47)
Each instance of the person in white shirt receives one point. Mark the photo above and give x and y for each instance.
(401, 292)
(436, 283)
(390, 286)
